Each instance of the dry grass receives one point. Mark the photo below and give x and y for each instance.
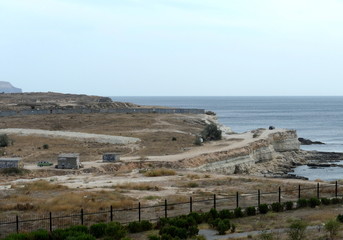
(41, 185)
(159, 172)
(138, 186)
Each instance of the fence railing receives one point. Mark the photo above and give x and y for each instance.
(52, 221)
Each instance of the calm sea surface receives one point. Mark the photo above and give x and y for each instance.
(316, 118)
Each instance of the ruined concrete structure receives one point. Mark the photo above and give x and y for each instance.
(10, 162)
(68, 161)
(110, 157)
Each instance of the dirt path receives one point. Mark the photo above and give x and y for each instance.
(100, 138)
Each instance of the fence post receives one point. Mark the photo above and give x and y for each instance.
(258, 197)
(111, 213)
(279, 194)
(17, 223)
(139, 211)
(299, 192)
(50, 222)
(190, 204)
(165, 208)
(336, 189)
(81, 216)
(214, 201)
(237, 200)
(318, 190)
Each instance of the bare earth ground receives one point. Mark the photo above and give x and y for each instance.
(99, 185)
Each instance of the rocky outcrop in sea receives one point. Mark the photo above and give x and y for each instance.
(6, 87)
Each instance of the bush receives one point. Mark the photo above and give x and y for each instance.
(336, 201)
(289, 205)
(78, 228)
(4, 140)
(313, 202)
(173, 232)
(213, 213)
(154, 237)
(297, 230)
(325, 201)
(238, 212)
(39, 235)
(146, 225)
(81, 236)
(277, 207)
(332, 227)
(225, 214)
(302, 202)
(115, 230)
(266, 236)
(135, 227)
(98, 230)
(16, 236)
(197, 217)
(250, 211)
(223, 226)
(45, 146)
(211, 132)
(340, 218)
(263, 208)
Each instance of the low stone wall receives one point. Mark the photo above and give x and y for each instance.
(115, 110)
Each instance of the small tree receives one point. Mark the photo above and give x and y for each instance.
(297, 230)
(332, 227)
(211, 132)
(4, 140)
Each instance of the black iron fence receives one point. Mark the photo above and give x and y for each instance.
(52, 221)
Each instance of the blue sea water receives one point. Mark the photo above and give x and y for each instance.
(315, 118)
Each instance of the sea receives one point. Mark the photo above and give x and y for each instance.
(314, 118)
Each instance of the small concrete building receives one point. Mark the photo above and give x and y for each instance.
(10, 162)
(110, 157)
(68, 161)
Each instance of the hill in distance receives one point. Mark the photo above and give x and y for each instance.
(6, 87)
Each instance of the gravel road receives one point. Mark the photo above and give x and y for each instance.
(101, 138)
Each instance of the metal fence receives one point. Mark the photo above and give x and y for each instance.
(52, 221)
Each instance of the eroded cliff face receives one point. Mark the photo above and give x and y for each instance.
(262, 151)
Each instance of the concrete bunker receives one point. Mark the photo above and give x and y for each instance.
(68, 161)
(10, 163)
(110, 157)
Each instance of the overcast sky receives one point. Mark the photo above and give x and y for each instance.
(173, 47)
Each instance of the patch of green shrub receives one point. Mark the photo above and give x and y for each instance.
(115, 230)
(302, 202)
(250, 211)
(98, 229)
(39, 235)
(154, 237)
(16, 236)
(263, 208)
(4, 140)
(225, 214)
(325, 201)
(335, 201)
(78, 228)
(297, 230)
(211, 132)
(238, 212)
(289, 205)
(199, 218)
(135, 227)
(81, 236)
(277, 207)
(223, 226)
(332, 227)
(340, 218)
(313, 202)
